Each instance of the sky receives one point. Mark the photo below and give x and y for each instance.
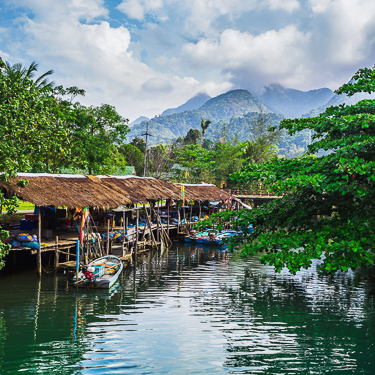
(145, 56)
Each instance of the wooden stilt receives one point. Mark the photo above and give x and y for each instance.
(168, 204)
(153, 242)
(157, 224)
(164, 237)
(191, 213)
(57, 252)
(39, 253)
(199, 215)
(178, 218)
(136, 236)
(108, 236)
(123, 236)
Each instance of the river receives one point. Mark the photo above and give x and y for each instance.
(190, 310)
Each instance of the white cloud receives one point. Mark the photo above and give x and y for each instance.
(137, 9)
(98, 58)
(83, 10)
(320, 6)
(157, 85)
(273, 54)
(288, 5)
(347, 28)
(4, 55)
(146, 66)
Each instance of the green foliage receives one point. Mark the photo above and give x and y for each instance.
(11, 205)
(196, 163)
(18, 71)
(204, 126)
(167, 128)
(193, 137)
(133, 157)
(96, 134)
(328, 210)
(27, 122)
(139, 143)
(42, 131)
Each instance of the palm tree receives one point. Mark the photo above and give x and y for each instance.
(204, 126)
(28, 73)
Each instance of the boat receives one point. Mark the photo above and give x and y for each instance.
(195, 236)
(101, 273)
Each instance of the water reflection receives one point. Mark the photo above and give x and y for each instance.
(189, 310)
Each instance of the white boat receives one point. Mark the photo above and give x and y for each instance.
(101, 273)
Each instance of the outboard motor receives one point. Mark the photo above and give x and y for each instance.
(89, 272)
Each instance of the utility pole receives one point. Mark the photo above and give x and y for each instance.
(146, 134)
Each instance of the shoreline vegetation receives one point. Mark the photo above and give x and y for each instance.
(44, 129)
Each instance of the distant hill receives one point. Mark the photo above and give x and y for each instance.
(337, 100)
(194, 103)
(293, 103)
(139, 120)
(234, 103)
(230, 113)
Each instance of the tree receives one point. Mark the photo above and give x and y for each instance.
(262, 142)
(18, 70)
(139, 143)
(22, 113)
(133, 157)
(193, 137)
(204, 126)
(196, 163)
(228, 159)
(327, 212)
(160, 162)
(96, 133)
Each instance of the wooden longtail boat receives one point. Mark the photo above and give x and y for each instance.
(101, 273)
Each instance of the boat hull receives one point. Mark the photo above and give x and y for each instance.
(103, 282)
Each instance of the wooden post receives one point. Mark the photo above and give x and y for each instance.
(199, 216)
(191, 213)
(57, 252)
(108, 237)
(178, 218)
(136, 236)
(153, 242)
(88, 248)
(39, 253)
(77, 262)
(123, 236)
(157, 224)
(169, 202)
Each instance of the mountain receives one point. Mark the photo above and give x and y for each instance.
(293, 103)
(139, 120)
(337, 100)
(234, 103)
(194, 103)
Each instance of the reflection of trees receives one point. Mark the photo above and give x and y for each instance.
(279, 323)
(276, 323)
(51, 325)
(46, 323)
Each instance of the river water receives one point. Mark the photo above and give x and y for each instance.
(190, 310)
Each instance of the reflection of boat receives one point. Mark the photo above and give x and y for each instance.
(101, 273)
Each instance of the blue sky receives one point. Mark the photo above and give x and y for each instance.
(146, 56)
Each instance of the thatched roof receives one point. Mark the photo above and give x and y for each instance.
(203, 192)
(102, 191)
(64, 190)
